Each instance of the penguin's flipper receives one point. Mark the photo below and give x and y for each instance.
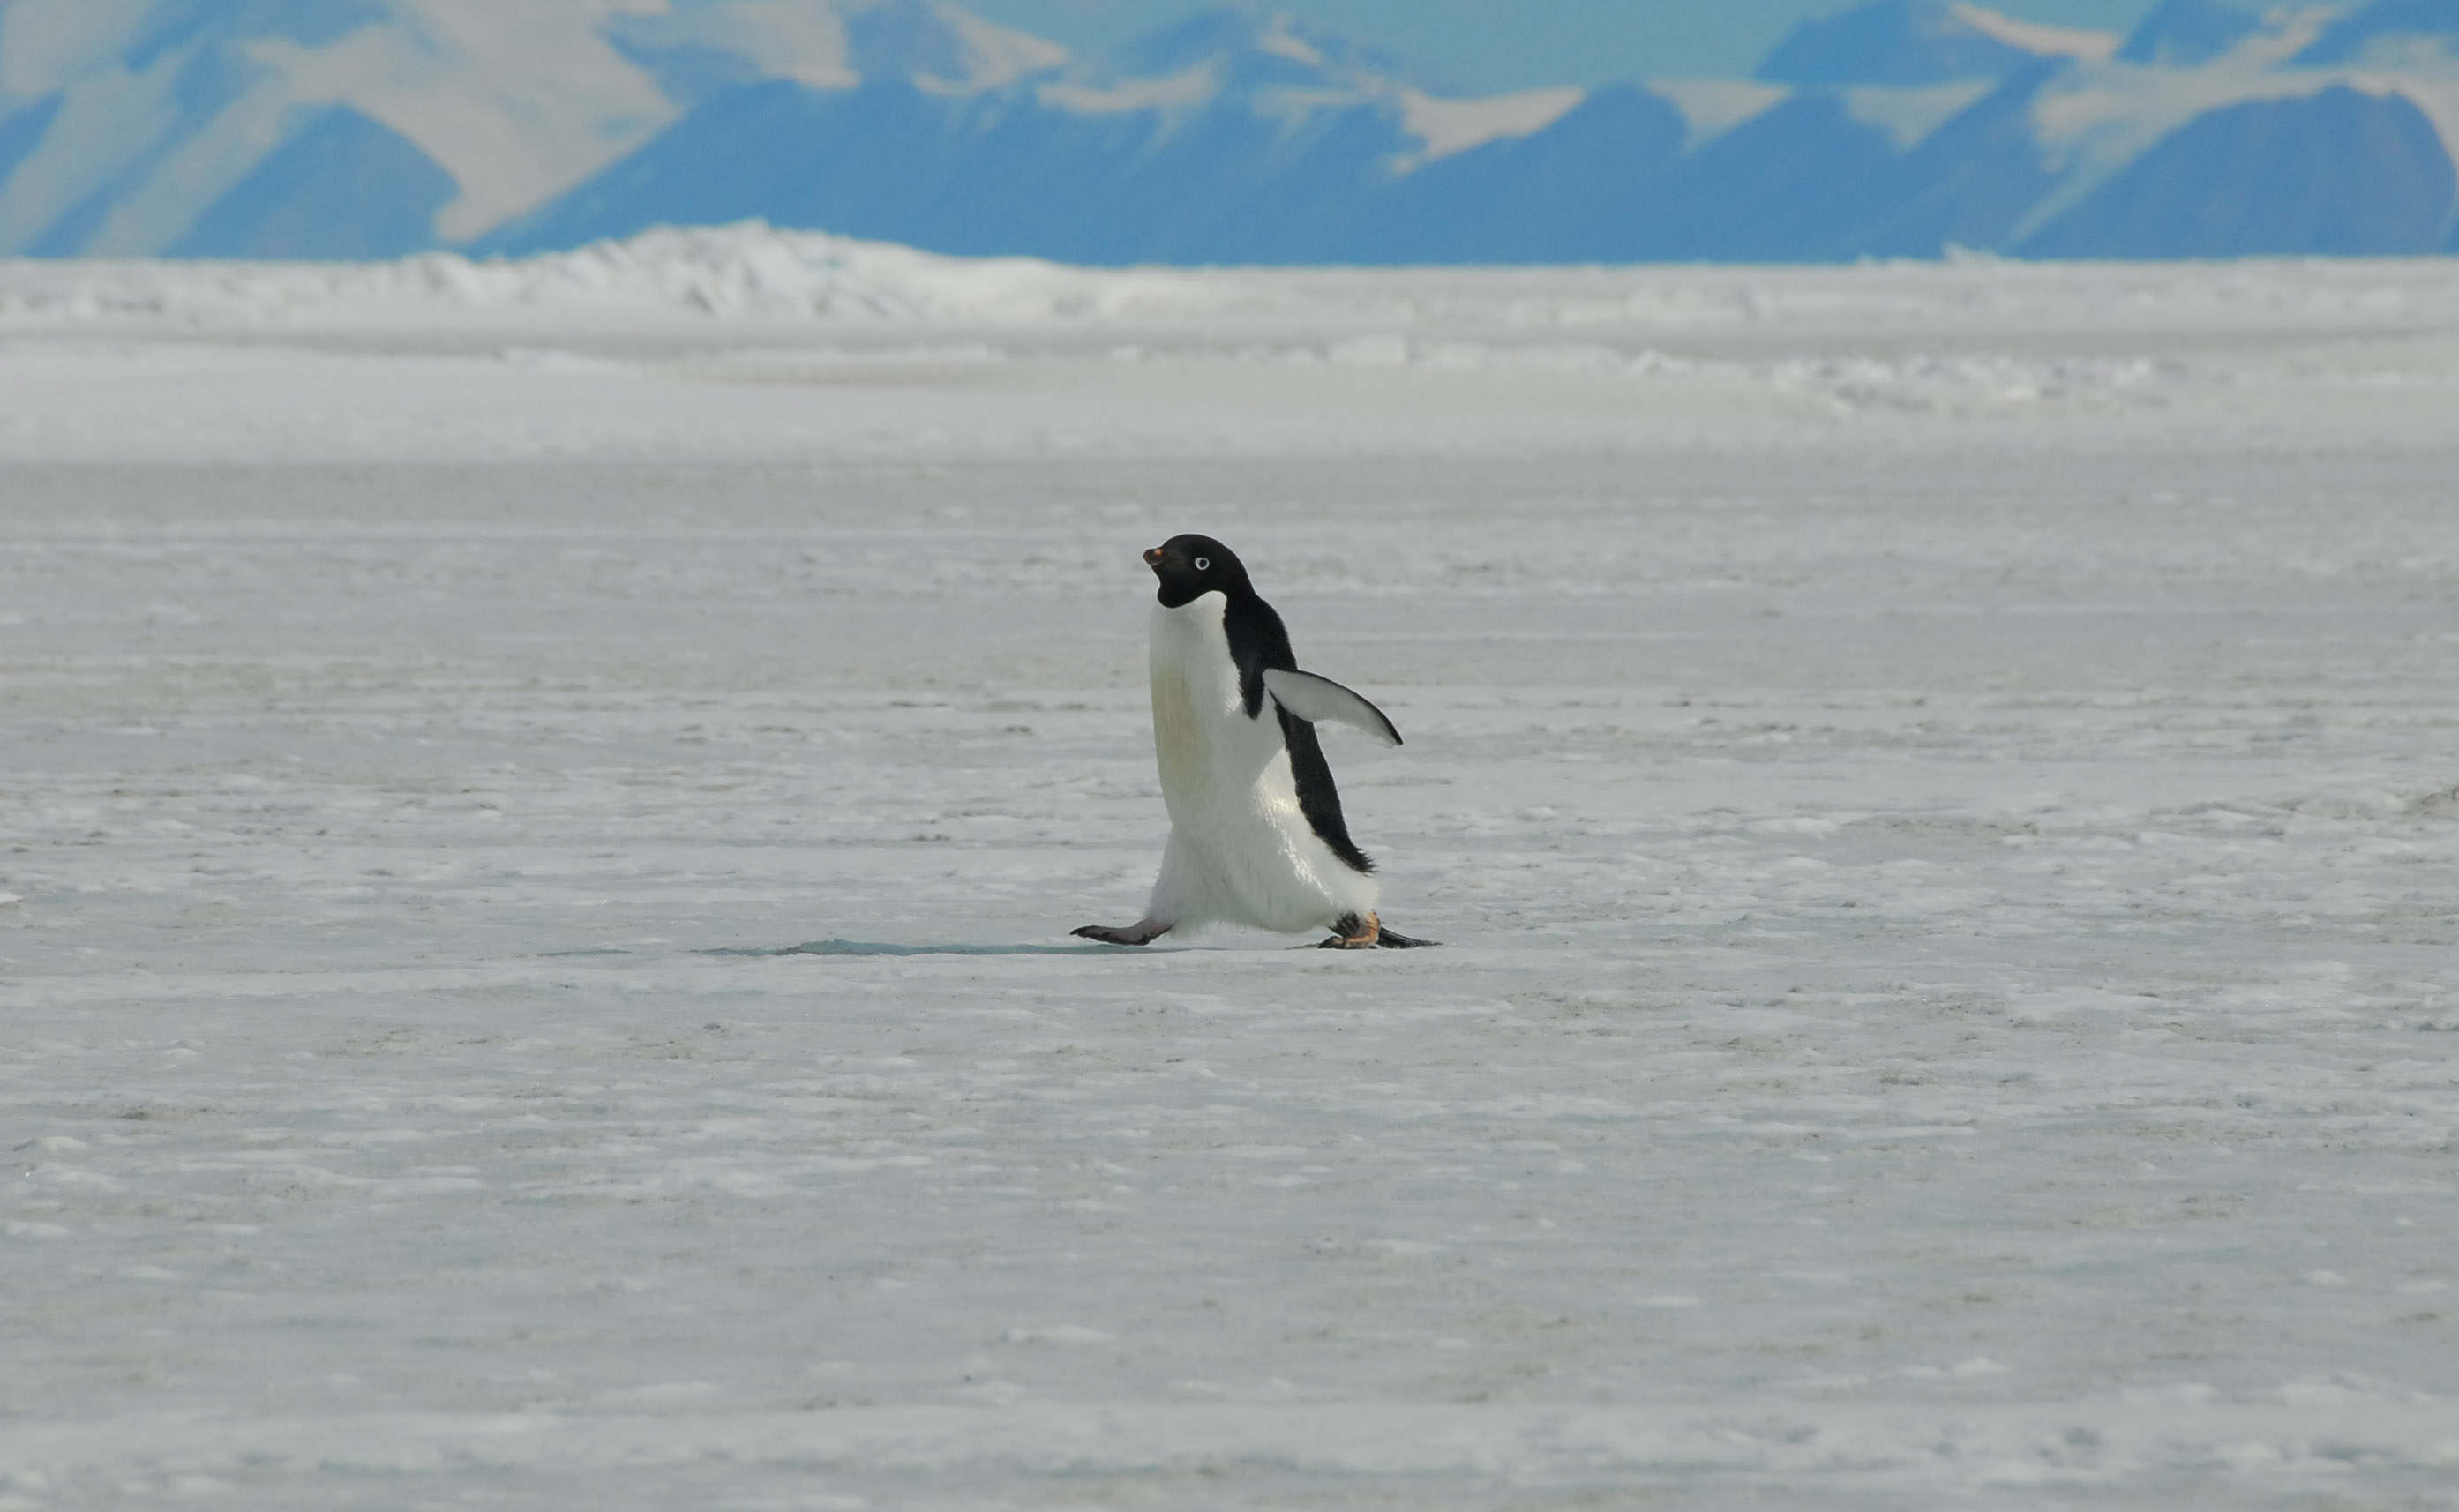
(1388, 938)
(1144, 931)
(1319, 699)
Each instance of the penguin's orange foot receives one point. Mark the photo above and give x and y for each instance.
(1144, 931)
(1351, 933)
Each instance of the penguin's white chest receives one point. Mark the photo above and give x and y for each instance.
(1240, 850)
(1211, 752)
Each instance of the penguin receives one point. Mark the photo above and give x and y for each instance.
(1257, 835)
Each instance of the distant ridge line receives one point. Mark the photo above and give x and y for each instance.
(1898, 128)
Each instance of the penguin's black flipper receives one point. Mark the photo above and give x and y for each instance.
(1319, 699)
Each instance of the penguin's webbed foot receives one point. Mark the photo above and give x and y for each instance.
(1144, 931)
(1351, 933)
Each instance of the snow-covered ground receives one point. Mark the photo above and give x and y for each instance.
(543, 806)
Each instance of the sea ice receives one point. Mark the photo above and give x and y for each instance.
(541, 833)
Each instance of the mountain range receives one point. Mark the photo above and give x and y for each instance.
(343, 129)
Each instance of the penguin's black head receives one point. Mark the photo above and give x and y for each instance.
(1191, 566)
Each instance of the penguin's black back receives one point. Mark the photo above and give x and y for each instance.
(1258, 640)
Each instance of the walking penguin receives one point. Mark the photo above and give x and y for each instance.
(1257, 835)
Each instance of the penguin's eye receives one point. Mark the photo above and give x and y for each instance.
(1204, 564)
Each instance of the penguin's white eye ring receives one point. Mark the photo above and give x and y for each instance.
(1204, 564)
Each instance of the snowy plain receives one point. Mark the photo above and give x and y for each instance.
(543, 805)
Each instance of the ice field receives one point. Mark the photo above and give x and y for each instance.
(541, 806)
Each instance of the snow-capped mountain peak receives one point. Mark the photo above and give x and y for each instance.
(2388, 34)
(2182, 33)
(372, 128)
(1244, 51)
(134, 124)
(699, 49)
(1445, 125)
(2041, 41)
(1916, 42)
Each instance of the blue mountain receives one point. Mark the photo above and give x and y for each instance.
(2381, 28)
(2339, 171)
(2181, 33)
(1900, 127)
(1891, 42)
(1534, 198)
(1264, 148)
(340, 188)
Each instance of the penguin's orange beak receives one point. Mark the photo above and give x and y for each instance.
(1152, 558)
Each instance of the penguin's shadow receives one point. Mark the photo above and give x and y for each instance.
(847, 947)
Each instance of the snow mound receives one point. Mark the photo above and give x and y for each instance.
(746, 270)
